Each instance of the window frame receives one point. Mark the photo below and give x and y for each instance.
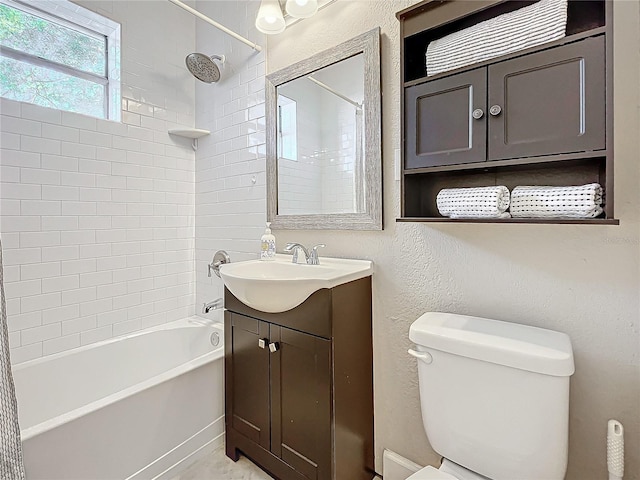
(69, 15)
(288, 104)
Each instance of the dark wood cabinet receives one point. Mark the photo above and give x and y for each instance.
(439, 122)
(299, 385)
(540, 104)
(538, 116)
(550, 102)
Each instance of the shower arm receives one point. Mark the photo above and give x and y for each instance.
(201, 16)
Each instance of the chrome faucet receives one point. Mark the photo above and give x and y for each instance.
(294, 247)
(309, 258)
(214, 305)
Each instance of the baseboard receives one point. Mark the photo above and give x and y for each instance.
(184, 455)
(396, 467)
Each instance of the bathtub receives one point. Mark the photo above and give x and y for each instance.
(144, 406)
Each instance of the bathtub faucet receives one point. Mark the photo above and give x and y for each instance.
(214, 305)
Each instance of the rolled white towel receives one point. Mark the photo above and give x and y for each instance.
(582, 201)
(474, 202)
(526, 27)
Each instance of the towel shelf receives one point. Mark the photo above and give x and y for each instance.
(531, 141)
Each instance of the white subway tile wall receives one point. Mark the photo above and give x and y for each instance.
(97, 218)
(230, 164)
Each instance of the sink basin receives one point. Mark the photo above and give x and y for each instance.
(279, 285)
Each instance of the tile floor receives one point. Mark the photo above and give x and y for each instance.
(218, 466)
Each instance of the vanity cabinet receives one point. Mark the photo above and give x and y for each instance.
(538, 116)
(299, 385)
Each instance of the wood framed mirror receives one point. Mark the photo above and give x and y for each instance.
(324, 156)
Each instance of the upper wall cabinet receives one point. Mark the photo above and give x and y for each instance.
(540, 114)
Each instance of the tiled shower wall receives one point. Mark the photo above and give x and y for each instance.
(230, 164)
(97, 217)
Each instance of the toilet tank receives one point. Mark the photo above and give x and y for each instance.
(495, 395)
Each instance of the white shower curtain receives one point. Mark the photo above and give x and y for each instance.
(11, 464)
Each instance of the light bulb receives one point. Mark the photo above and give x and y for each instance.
(270, 19)
(301, 8)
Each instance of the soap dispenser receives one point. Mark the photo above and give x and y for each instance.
(268, 244)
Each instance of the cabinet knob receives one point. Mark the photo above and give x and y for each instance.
(273, 347)
(262, 343)
(495, 110)
(477, 113)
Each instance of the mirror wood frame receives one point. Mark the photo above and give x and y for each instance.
(371, 219)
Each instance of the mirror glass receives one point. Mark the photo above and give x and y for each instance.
(319, 140)
(324, 166)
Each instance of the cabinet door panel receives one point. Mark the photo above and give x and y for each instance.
(250, 379)
(439, 125)
(301, 388)
(552, 102)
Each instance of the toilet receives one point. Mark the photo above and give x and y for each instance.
(494, 397)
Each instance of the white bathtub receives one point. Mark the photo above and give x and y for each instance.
(138, 407)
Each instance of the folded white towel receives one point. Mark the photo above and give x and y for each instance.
(474, 202)
(557, 202)
(526, 27)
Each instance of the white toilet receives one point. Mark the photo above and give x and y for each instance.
(494, 396)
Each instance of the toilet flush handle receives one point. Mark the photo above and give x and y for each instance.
(424, 356)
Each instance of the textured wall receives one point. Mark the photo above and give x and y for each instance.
(582, 280)
(98, 216)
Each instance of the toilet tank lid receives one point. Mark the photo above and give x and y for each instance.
(513, 345)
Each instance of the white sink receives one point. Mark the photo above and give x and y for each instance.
(279, 285)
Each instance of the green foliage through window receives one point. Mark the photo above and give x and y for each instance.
(52, 63)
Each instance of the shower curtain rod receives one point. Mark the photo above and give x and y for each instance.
(335, 92)
(201, 16)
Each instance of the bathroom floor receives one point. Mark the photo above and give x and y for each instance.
(218, 466)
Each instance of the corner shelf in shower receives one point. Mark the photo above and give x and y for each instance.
(192, 133)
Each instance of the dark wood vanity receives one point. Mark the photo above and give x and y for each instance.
(299, 385)
(538, 116)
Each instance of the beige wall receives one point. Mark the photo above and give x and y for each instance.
(583, 280)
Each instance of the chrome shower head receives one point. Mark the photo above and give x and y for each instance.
(203, 66)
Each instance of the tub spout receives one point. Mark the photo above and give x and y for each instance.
(214, 305)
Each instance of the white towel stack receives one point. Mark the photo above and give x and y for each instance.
(475, 202)
(583, 201)
(526, 27)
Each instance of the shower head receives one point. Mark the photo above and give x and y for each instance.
(203, 66)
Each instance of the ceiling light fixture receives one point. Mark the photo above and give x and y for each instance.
(301, 8)
(270, 19)
(275, 15)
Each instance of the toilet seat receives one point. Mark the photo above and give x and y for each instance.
(431, 473)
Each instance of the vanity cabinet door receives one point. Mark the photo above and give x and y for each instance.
(301, 402)
(247, 378)
(445, 121)
(549, 102)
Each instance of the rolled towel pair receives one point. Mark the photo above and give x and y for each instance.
(584, 201)
(475, 202)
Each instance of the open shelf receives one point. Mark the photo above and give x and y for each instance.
(193, 133)
(537, 221)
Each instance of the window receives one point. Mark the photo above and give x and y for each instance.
(56, 54)
(287, 129)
